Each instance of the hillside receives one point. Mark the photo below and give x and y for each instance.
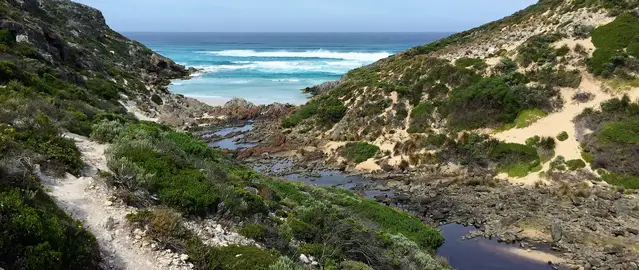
(502, 96)
(85, 184)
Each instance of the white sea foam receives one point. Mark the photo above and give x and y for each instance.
(323, 54)
(286, 80)
(283, 67)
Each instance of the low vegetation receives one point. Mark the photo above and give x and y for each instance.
(480, 150)
(359, 151)
(612, 144)
(155, 166)
(616, 54)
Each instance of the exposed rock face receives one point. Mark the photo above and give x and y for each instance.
(75, 39)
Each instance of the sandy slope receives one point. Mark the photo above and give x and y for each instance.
(555, 123)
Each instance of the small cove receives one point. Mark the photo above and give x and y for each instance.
(468, 254)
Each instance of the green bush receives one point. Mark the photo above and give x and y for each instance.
(38, 235)
(625, 132)
(352, 265)
(359, 151)
(6, 38)
(285, 263)
(493, 102)
(563, 136)
(157, 99)
(575, 164)
(538, 49)
(611, 41)
(106, 131)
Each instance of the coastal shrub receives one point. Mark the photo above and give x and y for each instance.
(476, 63)
(563, 136)
(494, 102)
(167, 229)
(621, 180)
(106, 131)
(575, 164)
(556, 77)
(558, 164)
(538, 49)
(285, 263)
(611, 40)
(421, 117)
(505, 66)
(547, 143)
(328, 109)
(353, 265)
(157, 99)
(624, 132)
(6, 38)
(38, 235)
(359, 151)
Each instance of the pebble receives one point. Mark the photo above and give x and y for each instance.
(184, 257)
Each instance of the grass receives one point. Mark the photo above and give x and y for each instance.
(528, 117)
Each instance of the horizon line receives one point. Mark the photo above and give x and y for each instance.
(292, 32)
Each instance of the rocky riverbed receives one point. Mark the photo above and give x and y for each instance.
(580, 224)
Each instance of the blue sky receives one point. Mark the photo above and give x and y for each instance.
(302, 15)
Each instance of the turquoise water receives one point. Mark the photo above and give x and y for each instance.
(272, 67)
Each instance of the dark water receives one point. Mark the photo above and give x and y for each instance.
(481, 253)
(230, 143)
(472, 254)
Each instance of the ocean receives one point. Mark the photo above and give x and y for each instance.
(272, 67)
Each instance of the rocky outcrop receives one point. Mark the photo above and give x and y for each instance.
(322, 88)
(75, 39)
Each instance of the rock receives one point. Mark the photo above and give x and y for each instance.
(619, 232)
(184, 257)
(613, 249)
(304, 259)
(556, 232)
(633, 231)
(110, 223)
(108, 203)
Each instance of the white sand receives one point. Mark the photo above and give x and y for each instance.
(368, 165)
(534, 255)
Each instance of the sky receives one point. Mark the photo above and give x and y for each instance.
(302, 15)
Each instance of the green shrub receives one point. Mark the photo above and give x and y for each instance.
(625, 132)
(106, 131)
(621, 180)
(359, 151)
(538, 49)
(495, 101)
(575, 164)
(38, 235)
(558, 164)
(547, 143)
(563, 136)
(6, 38)
(611, 41)
(285, 263)
(353, 265)
(157, 99)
